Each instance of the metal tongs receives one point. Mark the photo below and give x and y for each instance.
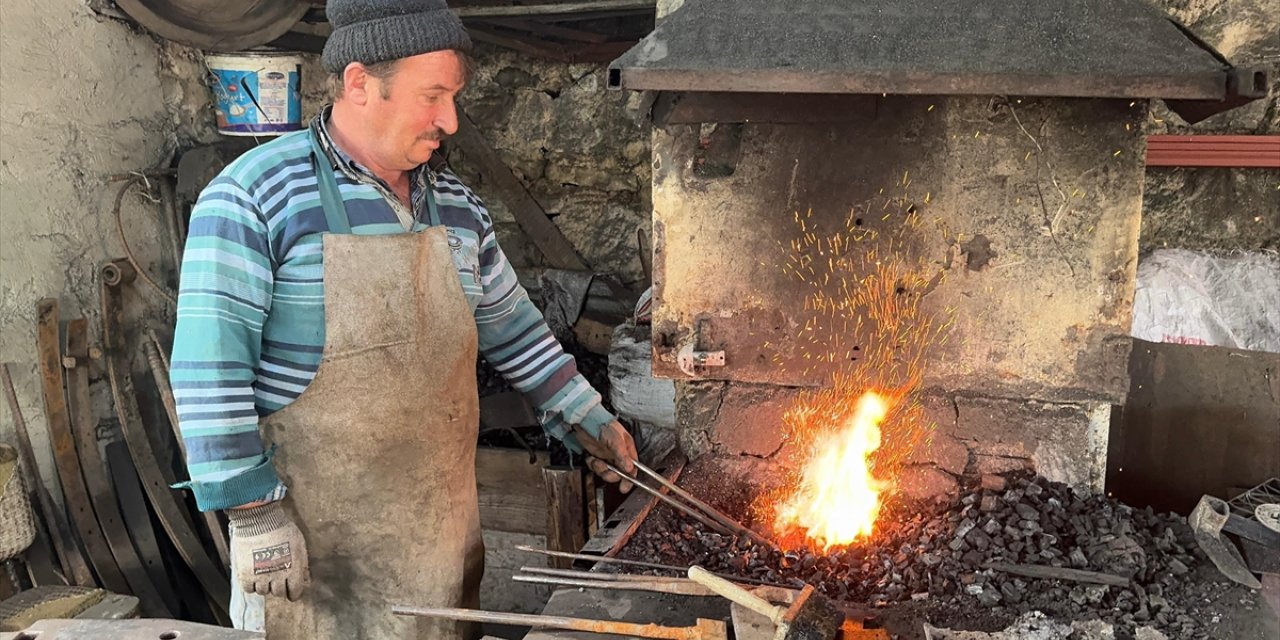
(692, 507)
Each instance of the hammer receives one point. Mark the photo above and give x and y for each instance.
(810, 617)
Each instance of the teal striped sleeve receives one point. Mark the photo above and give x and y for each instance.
(223, 299)
(515, 339)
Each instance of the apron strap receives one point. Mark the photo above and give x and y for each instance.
(433, 214)
(335, 211)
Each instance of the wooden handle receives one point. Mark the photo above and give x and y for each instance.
(737, 594)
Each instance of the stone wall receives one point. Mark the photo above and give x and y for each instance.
(1220, 209)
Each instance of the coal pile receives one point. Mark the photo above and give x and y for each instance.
(939, 555)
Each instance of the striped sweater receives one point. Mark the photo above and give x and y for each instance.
(251, 328)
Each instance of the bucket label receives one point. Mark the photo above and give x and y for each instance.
(262, 101)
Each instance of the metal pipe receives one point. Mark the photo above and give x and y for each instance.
(669, 586)
(642, 564)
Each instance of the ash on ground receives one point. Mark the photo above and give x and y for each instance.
(927, 561)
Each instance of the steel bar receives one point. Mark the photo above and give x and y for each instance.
(137, 518)
(639, 563)
(558, 622)
(98, 482)
(160, 374)
(168, 509)
(1059, 573)
(74, 568)
(716, 514)
(74, 491)
(631, 577)
(1213, 151)
(676, 588)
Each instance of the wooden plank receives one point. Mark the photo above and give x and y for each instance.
(510, 490)
(518, 42)
(550, 30)
(74, 491)
(528, 213)
(566, 512)
(1185, 400)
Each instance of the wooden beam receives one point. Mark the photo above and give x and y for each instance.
(511, 191)
(566, 512)
(1213, 151)
(554, 9)
(510, 490)
(550, 30)
(519, 42)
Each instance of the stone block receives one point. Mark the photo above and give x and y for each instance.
(922, 482)
(993, 465)
(942, 451)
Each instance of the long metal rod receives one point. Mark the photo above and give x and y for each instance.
(641, 563)
(554, 622)
(679, 506)
(677, 588)
(716, 514)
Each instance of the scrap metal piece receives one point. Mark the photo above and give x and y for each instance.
(133, 506)
(98, 483)
(1269, 516)
(160, 374)
(74, 491)
(1207, 520)
(168, 509)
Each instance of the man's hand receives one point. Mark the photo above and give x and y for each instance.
(268, 554)
(622, 453)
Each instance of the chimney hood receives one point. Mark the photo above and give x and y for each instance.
(1066, 48)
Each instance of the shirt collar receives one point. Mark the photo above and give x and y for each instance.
(340, 159)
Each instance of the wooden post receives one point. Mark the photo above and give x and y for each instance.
(566, 512)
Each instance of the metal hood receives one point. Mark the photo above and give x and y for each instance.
(1076, 48)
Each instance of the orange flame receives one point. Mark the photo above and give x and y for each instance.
(837, 500)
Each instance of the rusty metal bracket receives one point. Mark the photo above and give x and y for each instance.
(170, 512)
(74, 491)
(1207, 520)
(105, 502)
(692, 357)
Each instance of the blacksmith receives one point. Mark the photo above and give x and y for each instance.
(334, 292)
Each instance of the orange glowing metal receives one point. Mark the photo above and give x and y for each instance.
(838, 500)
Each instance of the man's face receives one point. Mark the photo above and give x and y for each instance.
(418, 111)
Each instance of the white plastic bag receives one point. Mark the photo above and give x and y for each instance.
(1193, 297)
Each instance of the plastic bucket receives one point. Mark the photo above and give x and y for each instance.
(257, 94)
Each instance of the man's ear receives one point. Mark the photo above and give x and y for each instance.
(355, 83)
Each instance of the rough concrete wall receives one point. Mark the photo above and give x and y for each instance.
(82, 98)
(1220, 208)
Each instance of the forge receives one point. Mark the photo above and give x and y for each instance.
(893, 275)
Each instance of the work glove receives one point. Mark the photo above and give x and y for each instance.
(268, 554)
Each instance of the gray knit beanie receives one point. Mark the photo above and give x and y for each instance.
(371, 31)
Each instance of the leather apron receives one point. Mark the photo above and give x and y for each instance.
(379, 451)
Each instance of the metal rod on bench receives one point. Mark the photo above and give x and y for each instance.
(640, 563)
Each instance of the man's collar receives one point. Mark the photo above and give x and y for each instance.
(339, 158)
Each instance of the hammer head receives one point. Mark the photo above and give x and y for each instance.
(812, 616)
